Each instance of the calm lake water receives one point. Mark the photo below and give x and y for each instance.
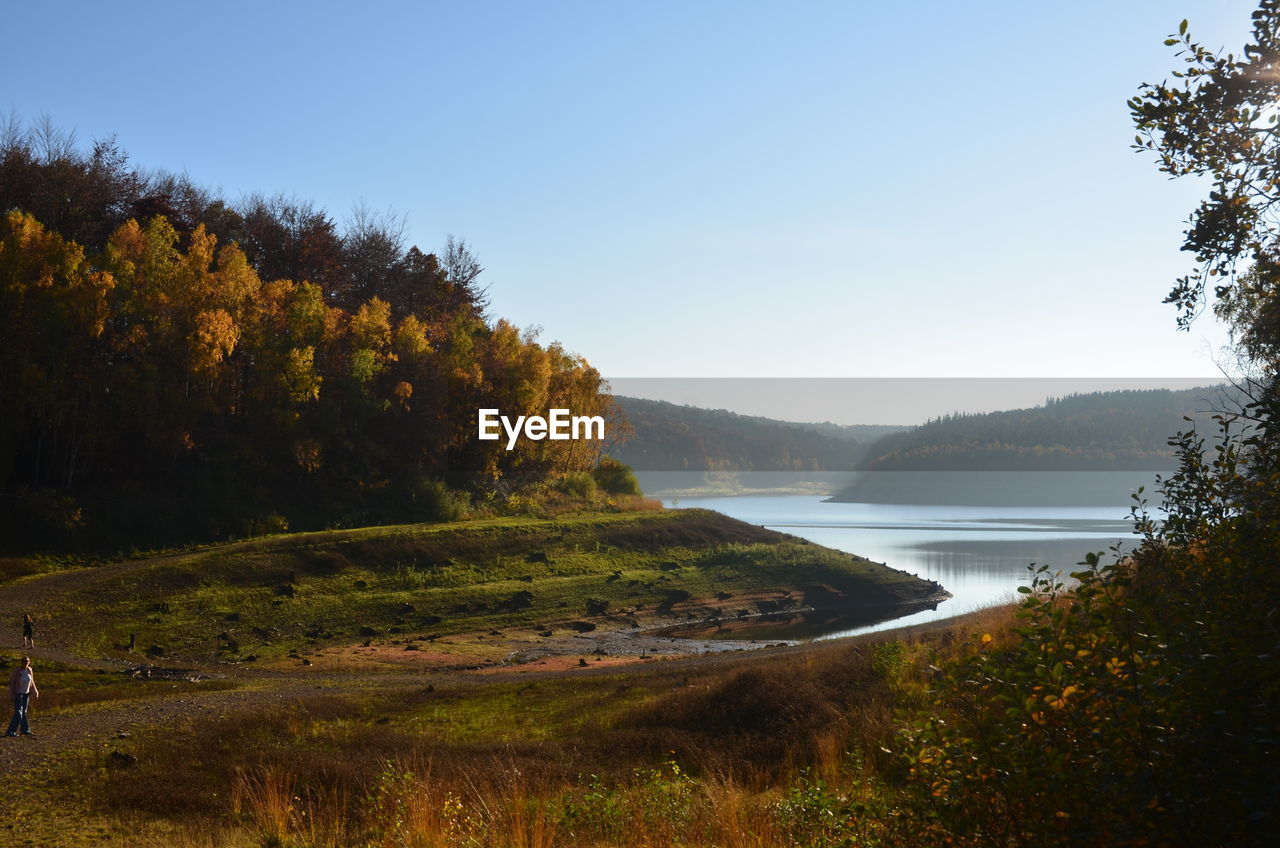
(979, 554)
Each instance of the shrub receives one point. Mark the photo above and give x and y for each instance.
(434, 501)
(1137, 708)
(616, 478)
(579, 484)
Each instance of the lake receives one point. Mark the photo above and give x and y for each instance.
(979, 554)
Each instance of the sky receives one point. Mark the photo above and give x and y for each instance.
(696, 189)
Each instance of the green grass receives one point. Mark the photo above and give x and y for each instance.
(287, 593)
(535, 710)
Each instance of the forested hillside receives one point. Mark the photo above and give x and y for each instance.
(1102, 431)
(173, 365)
(669, 437)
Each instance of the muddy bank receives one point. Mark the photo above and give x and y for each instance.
(720, 627)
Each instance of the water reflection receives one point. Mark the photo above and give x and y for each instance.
(979, 554)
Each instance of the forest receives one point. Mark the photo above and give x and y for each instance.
(174, 366)
(1099, 431)
(670, 437)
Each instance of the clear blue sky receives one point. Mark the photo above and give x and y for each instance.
(817, 189)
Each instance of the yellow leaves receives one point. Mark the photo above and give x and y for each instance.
(22, 253)
(1059, 701)
(214, 339)
(24, 228)
(411, 342)
(371, 325)
(308, 316)
(300, 377)
(237, 281)
(33, 257)
(159, 246)
(43, 272)
(199, 255)
(127, 246)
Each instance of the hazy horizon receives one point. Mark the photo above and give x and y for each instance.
(877, 401)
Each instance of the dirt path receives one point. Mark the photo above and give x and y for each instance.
(111, 723)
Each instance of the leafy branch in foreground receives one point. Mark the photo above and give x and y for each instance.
(1218, 119)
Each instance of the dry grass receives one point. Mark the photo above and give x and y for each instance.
(754, 750)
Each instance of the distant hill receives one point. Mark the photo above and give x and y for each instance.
(669, 437)
(1102, 431)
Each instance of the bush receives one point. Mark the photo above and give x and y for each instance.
(1139, 707)
(579, 484)
(264, 525)
(616, 478)
(434, 501)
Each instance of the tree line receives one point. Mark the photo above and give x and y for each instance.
(1098, 431)
(670, 437)
(173, 365)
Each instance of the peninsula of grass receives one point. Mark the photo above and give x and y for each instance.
(415, 584)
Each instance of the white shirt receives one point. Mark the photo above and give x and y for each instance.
(20, 683)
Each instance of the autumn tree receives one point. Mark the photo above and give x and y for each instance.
(183, 367)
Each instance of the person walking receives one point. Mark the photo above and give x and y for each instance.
(28, 631)
(22, 685)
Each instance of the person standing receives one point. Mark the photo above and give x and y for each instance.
(28, 631)
(22, 685)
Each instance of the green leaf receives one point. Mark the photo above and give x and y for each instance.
(1182, 27)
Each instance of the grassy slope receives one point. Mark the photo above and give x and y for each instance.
(309, 590)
